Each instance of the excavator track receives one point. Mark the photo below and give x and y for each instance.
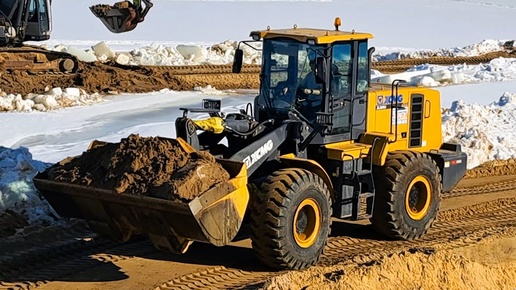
(37, 60)
(113, 77)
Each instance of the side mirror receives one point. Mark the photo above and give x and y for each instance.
(320, 69)
(237, 61)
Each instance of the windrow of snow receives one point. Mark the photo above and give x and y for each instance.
(57, 98)
(485, 132)
(54, 98)
(498, 69)
(223, 52)
(17, 191)
(476, 49)
(158, 54)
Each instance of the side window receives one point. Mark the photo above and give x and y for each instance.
(363, 68)
(340, 84)
(341, 70)
(33, 11)
(7, 7)
(43, 13)
(279, 65)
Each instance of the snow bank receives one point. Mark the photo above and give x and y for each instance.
(17, 192)
(483, 47)
(53, 99)
(485, 132)
(498, 69)
(223, 52)
(162, 55)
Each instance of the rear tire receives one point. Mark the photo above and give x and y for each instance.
(291, 219)
(408, 195)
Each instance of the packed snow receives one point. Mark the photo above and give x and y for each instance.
(485, 132)
(54, 98)
(17, 192)
(476, 49)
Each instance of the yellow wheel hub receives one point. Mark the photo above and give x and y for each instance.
(418, 198)
(307, 223)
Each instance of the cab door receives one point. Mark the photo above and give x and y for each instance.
(39, 20)
(360, 88)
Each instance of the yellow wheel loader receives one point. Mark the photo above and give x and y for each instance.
(319, 143)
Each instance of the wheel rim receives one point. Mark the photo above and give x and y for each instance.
(307, 223)
(418, 198)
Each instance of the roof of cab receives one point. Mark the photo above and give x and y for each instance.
(320, 36)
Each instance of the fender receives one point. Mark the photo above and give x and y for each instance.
(292, 161)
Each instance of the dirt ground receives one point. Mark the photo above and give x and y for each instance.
(10, 221)
(151, 166)
(112, 77)
(490, 264)
(493, 168)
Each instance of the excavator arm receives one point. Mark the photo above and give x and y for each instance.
(122, 16)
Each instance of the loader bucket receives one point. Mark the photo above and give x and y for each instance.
(115, 19)
(213, 217)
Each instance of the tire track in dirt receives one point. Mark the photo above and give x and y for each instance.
(339, 249)
(28, 266)
(112, 77)
(484, 188)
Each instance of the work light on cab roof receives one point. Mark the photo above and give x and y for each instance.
(311, 36)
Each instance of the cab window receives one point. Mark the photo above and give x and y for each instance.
(340, 84)
(363, 68)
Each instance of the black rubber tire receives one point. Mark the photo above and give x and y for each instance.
(272, 218)
(391, 216)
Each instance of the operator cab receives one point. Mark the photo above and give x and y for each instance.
(322, 75)
(24, 20)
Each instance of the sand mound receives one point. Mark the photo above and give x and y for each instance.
(149, 166)
(493, 168)
(490, 265)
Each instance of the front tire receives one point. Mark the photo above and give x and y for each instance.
(408, 195)
(290, 219)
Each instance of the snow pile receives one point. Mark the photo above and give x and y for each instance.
(161, 55)
(486, 46)
(485, 132)
(17, 192)
(223, 52)
(498, 69)
(52, 99)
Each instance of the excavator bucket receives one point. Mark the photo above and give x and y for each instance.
(117, 19)
(122, 16)
(213, 217)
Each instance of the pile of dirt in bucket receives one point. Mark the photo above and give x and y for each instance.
(149, 166)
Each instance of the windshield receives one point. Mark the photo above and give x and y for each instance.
(288, 71)
(7, 7)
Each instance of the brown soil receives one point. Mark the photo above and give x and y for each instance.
(493, 168)
(407, 270)
(150, 166)
(100, 10)
(106, 78)
(103, 78)
(9, 222)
